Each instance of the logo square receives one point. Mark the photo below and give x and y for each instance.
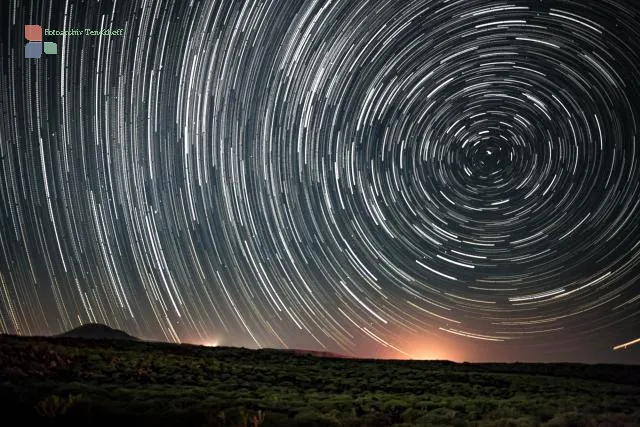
(50, 48)
(33, 33)
(33, 50)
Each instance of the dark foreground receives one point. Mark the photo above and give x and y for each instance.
(56, 381)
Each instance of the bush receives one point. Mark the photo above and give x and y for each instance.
(569, 419)
(55, 406)
(510, 422)
(312, 418)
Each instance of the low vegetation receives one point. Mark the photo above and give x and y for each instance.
(70, 381)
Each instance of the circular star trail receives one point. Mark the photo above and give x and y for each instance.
(365, 177)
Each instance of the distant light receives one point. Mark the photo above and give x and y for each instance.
(211, 343)
(627, 344)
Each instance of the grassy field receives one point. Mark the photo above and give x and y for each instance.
(55, 381)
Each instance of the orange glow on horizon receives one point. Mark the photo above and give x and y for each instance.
(210, 343)
(436, 353)
(425, 350)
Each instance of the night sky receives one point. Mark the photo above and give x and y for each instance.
(402, 179)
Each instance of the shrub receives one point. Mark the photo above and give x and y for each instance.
(569, 419)
(312, 418)
(55, 406)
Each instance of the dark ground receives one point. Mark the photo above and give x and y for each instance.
(71, 381)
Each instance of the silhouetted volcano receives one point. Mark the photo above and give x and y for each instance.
(97, 331)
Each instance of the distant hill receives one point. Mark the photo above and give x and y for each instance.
(97, 331)
(315, 353)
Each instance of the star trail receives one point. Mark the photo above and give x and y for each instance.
(411, 179)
